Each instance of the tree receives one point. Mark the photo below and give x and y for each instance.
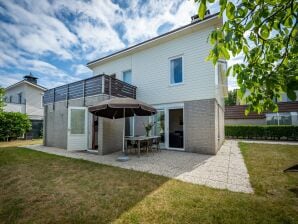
(2, 103)
(13, 125)
(266, 33)
(231, 99)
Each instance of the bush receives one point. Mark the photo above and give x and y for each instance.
(262, 131)
(13, 125)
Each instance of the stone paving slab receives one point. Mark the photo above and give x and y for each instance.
(226, 170)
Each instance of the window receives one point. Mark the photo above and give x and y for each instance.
(127, 76)
(20, 98)
(10, 99)
(176, 71)
(77, 123)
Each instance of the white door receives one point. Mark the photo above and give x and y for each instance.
(77, 128)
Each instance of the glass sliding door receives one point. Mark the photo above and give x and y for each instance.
(159, 127)
(175, 130)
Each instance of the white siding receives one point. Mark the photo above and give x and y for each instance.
(14, 107)
(34, 107)
(31, 98)
(150, 70)
(14, 93)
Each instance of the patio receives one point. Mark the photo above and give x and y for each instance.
(226, 170)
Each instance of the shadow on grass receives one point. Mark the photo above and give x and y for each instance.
(44, 188)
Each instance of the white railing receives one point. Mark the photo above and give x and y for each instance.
(14, 107)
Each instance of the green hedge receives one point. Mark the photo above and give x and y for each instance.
(13, 125)
(288, 132)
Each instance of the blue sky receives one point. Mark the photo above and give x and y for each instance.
(55, 39)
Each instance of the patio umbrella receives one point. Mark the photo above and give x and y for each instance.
(120, 108)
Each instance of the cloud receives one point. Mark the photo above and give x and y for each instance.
(55, 38)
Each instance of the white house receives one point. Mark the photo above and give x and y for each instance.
(169, 72)
(26, 97)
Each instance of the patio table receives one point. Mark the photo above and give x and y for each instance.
(139, 139)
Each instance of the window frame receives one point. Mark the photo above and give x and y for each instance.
(169, 65)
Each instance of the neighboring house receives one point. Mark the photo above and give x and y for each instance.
(287, 113)
(26, 97)
(169, 72)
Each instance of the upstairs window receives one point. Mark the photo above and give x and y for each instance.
(176, 71)
(127, 77)
(20, 99)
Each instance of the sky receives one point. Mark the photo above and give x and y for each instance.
(55, 39)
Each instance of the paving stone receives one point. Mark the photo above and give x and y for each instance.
(226, 170)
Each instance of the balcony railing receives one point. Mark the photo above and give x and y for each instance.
(100, 84)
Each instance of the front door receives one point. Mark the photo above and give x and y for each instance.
(77, 128)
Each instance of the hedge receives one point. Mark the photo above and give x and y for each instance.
(13, 125)
(273, 132)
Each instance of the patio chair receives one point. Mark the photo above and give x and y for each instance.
(155, 144)
(132, 145)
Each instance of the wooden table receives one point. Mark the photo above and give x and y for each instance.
(139, 139)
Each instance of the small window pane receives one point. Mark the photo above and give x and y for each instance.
(272, 119)
(285, 119)
(127, 76)
(77, 121)
(176, 70)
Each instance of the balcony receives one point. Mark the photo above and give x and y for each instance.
(96, 85)
(15, 107)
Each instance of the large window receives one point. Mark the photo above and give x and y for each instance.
(176, 71)
(127, 76)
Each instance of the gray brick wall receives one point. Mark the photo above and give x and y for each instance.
(200, 126)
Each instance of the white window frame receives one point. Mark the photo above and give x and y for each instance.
(173, 58)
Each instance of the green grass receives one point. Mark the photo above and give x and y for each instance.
(40, 188)
(20, 143)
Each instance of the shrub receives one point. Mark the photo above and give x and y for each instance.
(13, 125)
(262, 131)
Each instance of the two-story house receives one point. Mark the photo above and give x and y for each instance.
(169, 72)
(26, 97)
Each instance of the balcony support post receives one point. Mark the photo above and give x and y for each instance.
(67, 96)
(54, 98)
(84, 92)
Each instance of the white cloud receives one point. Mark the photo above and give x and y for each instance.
(76, 32)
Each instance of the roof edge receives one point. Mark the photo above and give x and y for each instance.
(207, 18)
(26, 82)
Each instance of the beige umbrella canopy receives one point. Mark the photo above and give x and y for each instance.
(120, 108)
(115, 108)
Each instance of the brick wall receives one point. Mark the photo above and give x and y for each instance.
(200, 126)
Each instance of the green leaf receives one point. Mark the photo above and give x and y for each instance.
(264, 31)
(249, 25)
(202, 9)
(230, 10)
(289, 22)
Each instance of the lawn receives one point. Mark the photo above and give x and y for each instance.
(40, 188)
(20, 143)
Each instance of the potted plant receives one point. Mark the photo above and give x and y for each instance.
(148, 127)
